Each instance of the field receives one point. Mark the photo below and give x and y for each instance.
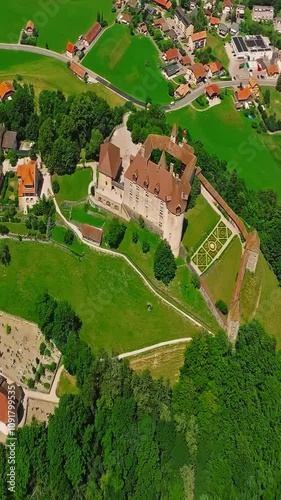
(261, 299)
(73, 187)
(66, 385)
(130, 63)
(275, 101)
(58, 233)
(17, 227)
(58, 22)
(200, 221)
(79, 214)
(227, 133)
(46, 73)
(222, 275)
(164, 362)
(105, 292)
(216, 43)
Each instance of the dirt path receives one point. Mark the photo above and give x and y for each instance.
(154, 346)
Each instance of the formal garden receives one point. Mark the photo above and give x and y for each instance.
(212, 246)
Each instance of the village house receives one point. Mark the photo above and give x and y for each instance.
(240, 12)
(212, 91)
(165, 4)
(272, 71)
(214, 22)
(93, 32)
(243, 96)
(183, 23)
(234, 28)
(223, 29)
(172, 35)
(92, 234)
(227, 6)
(28, 185)
(198, 40)
(8, 414)
(185, 60)
(196, 73)
(261, 13)
(118, 4)
(253, 85)
(29, 28)
(171, 70)
(171, 55)
(215, 68)
(6, 91)
(143, 29)
(78, 71)
(125, 18)
(182, 90)
(9, 141)
(70, 50)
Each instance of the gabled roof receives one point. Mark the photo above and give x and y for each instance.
(70, 47)
(253, 82)
(185, 60)
(214, 21)
(198, 70)
(77, 70)
(92, 33)
(6, 88)
(92, 233)
(215, 66)
(110, 160)
(272, 69)
(9, 140)
(227, 3)
(200, 35)
(172, 54)
(29, 25)
(212, 90)
(27, 175)
(126, 17)
(163, 3)
(159, 21)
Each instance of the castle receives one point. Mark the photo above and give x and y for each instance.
(154, 190)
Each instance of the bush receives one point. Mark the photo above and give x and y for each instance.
(3, 229)
(135, 237)
(116, 233)
(141, 221)
(56, 187)
(145, 247)
(42, 348)
(30, 383)
(52, 367)
(164, 263)
(222, 307)
(68, 237)
(195, 281)
(46, 385)
(8, 329)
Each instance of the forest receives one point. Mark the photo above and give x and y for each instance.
(216, 434)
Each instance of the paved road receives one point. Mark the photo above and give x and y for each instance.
(178, 104)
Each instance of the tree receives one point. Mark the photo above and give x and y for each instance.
(145, 247)
(68, 237)
(116, 233)
(46, 139)
(42, 227)
(266, 97)
(93, 147)
(64, 156)
(222, 307)
(4, 229)
(195, 191)
(56, 187)
(5, 256)
(135, 237)
(278, 83)
(164, 263)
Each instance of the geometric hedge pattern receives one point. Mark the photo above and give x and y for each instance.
(206, 253)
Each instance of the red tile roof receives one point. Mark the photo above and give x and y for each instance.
(166, 4)
(214, 21)
(109, 160)
(6, 88)
(171, 54)
(126, 17)
(92, 33)
(227, 3)
(243, 94)
(272, 70)
(27, 175)
(185, 60)
(159, 22)
(77, 70)
(200, 35)
(212, 90)
(198, 70)
(215, 66)
(29, 25)
(92, 233)
(70, 47)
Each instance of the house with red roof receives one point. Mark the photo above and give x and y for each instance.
(6, 91)
(212, 91)
(227, 6)
(29, 28)
(78, 71)
(28, 184)
(93, 32)
(215, 68)
(171, 55)
(70, 50)
(214, 22)
(165, 4)
(125, 18)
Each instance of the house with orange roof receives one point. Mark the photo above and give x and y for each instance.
(254, 86)
(196, 73)
(214, 22)
(171, 55)
(243, 97)
(70, 50)
(182, 90)
(29, 28)
(6, 90)
(125, 18)
(198, 40)
(272, 71)
(215, 68)
(212, 91)
(28, 184)
(165, 4)
(78, 71)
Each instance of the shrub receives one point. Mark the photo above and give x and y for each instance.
(135, 237)
(30, 383)
(145, 247)
(164, 263)
(195, 281)
(46, 385)
(3, 229)
(56, 187)
(116, 233)
(222, 307)
(68, 237)
(8, 329)
(141, 221)
(42, 348)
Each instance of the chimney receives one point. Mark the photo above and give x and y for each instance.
(171, 168)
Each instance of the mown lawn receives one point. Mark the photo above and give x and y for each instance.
(164, 362)
(57, 22)
(79, 214)
(181, 288)
(261, 299)
(105, 292)
(129, 62)
(228, 134)
(222, 276)
(46, 73)
(58, 233)
(216, 43)
(200, 221)
(16, 227)
(73, 187)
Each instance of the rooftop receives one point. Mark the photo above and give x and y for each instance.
(109, 160)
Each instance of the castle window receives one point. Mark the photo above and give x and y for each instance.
(135, 175)
(146, 183)
(178, 210)
(160, 224)
(157, 190)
